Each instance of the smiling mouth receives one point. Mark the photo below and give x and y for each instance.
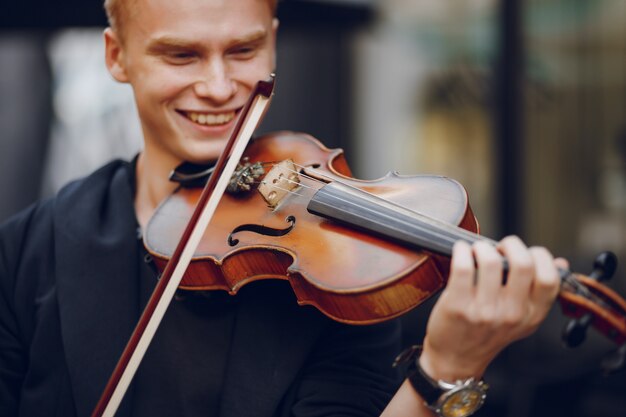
(209, 119)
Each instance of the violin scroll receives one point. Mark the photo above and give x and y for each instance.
(590, 303)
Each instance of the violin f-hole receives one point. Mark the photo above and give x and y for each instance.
(262, 230)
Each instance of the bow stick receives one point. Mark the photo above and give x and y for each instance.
(165, 289)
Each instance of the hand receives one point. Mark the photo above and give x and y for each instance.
(478, 315)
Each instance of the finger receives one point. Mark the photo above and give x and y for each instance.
(561, 263)
(489, 281)
(546, 282)
(521, 269)
(462, 270)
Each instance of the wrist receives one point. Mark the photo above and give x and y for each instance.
(449, 367)
(455, 397)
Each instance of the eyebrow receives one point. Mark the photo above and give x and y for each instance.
(164, 42)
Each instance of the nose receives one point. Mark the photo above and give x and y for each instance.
(215, 83)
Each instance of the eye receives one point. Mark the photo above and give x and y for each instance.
(180, 57)
(244, 51)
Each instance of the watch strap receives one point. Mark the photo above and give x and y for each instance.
(425, 386)
(436, 394)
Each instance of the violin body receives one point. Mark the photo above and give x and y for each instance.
(327, 263)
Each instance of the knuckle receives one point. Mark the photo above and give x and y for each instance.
(464, 270)
(492, 263)
(547, 282)
(523, 266)
(483, 249)
(485, 316)
(451, 308)
(458, 313)
(513, 317)
(537, 316)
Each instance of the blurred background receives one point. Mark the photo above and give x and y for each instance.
(522, 101)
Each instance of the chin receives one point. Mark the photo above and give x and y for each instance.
(206, 152)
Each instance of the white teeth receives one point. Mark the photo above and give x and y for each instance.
(210, 119)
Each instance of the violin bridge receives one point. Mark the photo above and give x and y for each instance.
(278, 182)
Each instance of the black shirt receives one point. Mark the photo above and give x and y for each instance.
(183, 370)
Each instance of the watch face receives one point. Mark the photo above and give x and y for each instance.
(462, 403)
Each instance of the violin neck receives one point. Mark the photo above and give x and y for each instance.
(354, 207)
(359, 209)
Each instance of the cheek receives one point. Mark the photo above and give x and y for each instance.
(158, 83)
(249, 72)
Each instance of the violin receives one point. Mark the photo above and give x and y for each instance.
(360, 251)
(349, 247)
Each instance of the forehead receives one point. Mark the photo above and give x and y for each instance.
(208, 20)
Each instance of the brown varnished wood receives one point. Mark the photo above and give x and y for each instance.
(610, 321)
(349, 275)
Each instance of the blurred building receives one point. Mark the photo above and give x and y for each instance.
(532, 117)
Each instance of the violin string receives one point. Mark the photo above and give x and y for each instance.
(451, 229)
(300, 183)
(473, 237)
(450, 240)
(459, 233)
(283, 189)
(568, 277)
(456, 232)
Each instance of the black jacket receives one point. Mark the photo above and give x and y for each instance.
(68, 303)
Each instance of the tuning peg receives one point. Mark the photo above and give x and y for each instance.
(604, 266)
(614, 361)
(575, 331)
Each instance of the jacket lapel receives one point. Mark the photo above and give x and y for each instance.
(271, 340)
(96, 253)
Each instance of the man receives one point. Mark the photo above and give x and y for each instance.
(73, 279)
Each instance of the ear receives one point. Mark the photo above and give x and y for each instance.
(114, 56)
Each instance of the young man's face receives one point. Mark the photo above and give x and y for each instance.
(192, 65)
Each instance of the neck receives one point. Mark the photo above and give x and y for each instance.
(153, 186)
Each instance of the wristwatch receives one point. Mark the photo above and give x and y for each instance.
(448, 399)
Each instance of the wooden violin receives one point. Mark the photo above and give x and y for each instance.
(360, 251)
(354, 274)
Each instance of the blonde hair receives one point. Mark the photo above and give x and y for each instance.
(118, 11)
